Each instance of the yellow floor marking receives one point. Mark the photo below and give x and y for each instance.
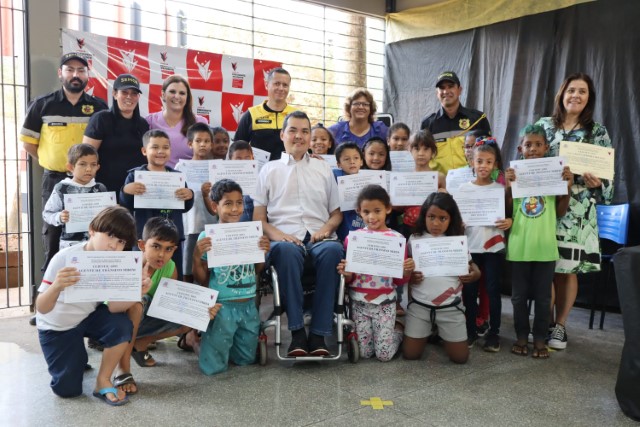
(376, 403)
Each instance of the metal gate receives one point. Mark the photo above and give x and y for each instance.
(16, 248)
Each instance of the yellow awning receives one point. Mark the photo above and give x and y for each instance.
(459, 15)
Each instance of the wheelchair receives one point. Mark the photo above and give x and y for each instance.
(345, 327)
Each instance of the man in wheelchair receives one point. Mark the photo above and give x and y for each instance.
(297, 201)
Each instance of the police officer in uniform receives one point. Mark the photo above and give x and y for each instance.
(450, 124)
(261, 124)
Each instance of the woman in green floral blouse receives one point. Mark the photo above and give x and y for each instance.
(577, 231)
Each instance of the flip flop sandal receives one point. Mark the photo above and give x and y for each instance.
(182, 343)
(144, 359)
(102, 395)
(540, 353)
(520, 350)
(124, 379)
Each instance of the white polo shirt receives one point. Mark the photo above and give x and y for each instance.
(298, 195)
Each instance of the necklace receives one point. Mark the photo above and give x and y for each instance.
(566, 134)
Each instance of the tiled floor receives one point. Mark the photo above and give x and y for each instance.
(574, 387)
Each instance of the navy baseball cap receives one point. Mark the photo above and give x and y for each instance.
(73, 55)
(448, 76)
(126, 81)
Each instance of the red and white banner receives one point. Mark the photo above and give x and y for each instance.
(223, 86)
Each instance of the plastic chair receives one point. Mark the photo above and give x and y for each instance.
(613, 224)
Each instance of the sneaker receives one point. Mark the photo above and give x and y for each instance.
(32, 320)
(492, 343)
(471, 341)
(298, 346)
(317, 346)
(558, 338)
(482, 329)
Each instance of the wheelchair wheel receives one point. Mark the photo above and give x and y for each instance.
(262, 351)
(353, 351)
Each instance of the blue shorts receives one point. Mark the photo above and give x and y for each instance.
(150, 326)
(65, 351)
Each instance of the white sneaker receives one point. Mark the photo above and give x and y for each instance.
(558, 338)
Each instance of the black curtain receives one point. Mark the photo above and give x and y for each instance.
(512, 70)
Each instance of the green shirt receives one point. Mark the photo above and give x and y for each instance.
(533, 233)
(165, 272)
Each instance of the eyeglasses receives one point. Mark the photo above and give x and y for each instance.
(361, 104)
(442, 219)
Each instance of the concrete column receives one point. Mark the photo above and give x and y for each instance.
(43, 28)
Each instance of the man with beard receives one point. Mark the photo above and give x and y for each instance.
(54, 123)
(451, 123)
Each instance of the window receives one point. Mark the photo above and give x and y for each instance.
(328, 52)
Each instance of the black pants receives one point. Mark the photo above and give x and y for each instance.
(50, 233)
(531, 278)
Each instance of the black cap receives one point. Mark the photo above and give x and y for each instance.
(448, 76)
(73, 55)
(126, 81)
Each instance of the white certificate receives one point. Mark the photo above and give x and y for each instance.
(234, 243)
(243, 172)
(386, 176)
(196, 171)
(480, 206)
(349, 187)
(412, 188)
(260, 156)
(376, 254)
(331, 159)
(83, 207)
(441, 256)
(160, 190)
(402, 161)
(105, 276)
(457, 177)
(539, 177)
(183, 303)
(591, 158)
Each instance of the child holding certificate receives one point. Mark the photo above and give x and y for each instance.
(241, 150)
(373, 298)
(533, 249)
(199, 140)
(437, 300)
(156, 147)
(349, 159)
(423, 149)
(233, 334)
(83, 165)
(486, 244)
(159, 241)
(63, 326)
